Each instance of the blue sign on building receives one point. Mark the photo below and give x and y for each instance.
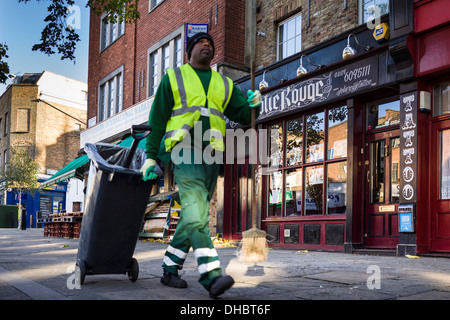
(192, 29)
(406, 222)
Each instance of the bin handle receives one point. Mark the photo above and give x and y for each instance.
(138, 132)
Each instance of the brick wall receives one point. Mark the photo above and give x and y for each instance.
(57, 130)
(101, 64)
(53, 139)
(131, 49)
(327, 19)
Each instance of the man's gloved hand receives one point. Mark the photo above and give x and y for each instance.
(254, 98)
(148, 170)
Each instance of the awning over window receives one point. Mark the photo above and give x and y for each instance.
(72, 169)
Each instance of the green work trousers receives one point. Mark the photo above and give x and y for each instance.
(196, 184)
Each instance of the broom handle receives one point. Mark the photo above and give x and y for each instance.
(253, 165)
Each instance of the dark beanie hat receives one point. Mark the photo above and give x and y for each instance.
(195, 38)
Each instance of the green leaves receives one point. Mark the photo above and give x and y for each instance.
(58, 37)
(119, 10)
(20, 171)
(56, 33)
(4, 68)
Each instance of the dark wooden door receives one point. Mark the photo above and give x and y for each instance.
(440, 182)
(382, 157)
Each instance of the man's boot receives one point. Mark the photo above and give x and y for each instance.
(220, 285)
(172, 280)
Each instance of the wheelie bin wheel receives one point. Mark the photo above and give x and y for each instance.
(80, 271)
(133, 271)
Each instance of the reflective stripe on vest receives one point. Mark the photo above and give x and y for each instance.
(189, 102)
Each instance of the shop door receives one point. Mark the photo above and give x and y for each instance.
(382, 189)
(241, 195)
(440, 171)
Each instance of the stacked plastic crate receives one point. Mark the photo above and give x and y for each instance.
(65, 225)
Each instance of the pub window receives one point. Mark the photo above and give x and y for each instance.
(290, 37)
(383, 114)
(315, 137)
(303, 179)
(294, 142)
(441, 99)
(370, 9)
(337, 133)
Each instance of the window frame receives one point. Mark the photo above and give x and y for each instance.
(6, 129)
(118, 101)
(284, 169)
(377, 103)
(361, 7)
(173, 44)
(153, 4)
(438, 108)
(105, 32)
(280, 55)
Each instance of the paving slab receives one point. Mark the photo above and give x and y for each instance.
(34, 267)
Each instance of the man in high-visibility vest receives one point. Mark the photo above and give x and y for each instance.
(190, 96)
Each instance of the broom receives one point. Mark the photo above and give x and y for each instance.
(253, 246)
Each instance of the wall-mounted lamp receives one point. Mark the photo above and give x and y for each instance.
(263, 84)
(301, 71)
(349, 51)
(261, 33)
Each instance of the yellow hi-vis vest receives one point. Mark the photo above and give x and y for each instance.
(191, 102)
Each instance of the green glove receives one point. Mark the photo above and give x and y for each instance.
(254, 98)
(148, 170)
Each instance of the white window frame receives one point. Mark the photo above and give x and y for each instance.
(367, 3)
(280, 25)
(152, 4)
(112, 83)
(110, 32)
(169, 53)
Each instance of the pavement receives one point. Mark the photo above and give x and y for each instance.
(34, 267)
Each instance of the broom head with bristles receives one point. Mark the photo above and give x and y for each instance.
(253, 246)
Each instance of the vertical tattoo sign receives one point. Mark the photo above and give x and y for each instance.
(408, 145)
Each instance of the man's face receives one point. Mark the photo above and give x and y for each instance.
(202, 51)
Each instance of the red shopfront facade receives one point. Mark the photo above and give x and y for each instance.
(356, 159)
(432, 71)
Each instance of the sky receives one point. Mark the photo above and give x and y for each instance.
(21, 25)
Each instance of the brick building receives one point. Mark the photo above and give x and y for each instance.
(44, 113)
(127, 61)
(349, 169)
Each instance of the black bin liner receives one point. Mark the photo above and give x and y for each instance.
(116, 198)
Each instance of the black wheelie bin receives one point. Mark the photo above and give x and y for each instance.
(116, 198)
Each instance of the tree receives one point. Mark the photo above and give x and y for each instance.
(20, 173)
(4, 68)
(58, 35)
